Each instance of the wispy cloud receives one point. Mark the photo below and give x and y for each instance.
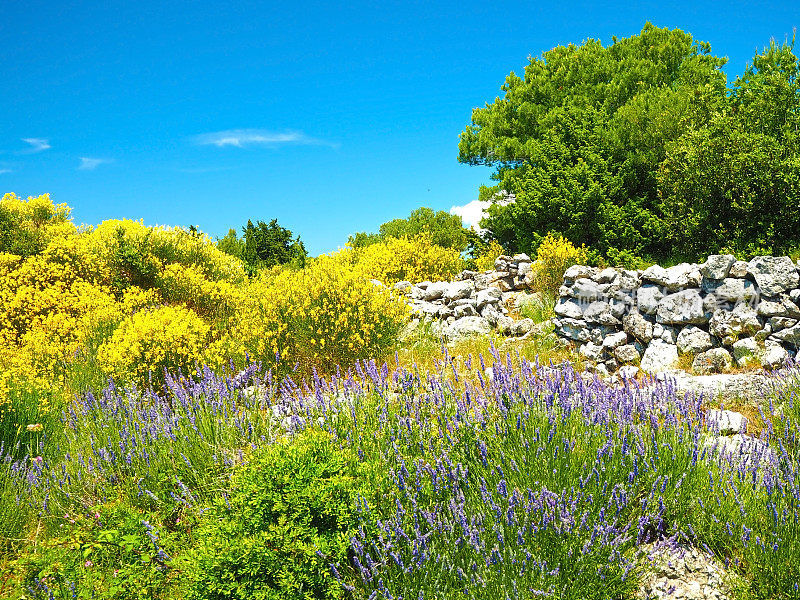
(90, 164)
(5, 171)
(240, 138)
(36, 145)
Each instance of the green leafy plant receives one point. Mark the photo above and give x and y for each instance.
(290, 515)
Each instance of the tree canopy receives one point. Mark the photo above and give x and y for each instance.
(615, 147)
(445, 230)
(264, 245)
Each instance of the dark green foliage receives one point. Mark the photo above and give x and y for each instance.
(446, 230)
(264, 245)
(290, 515)
(734, 185)
(579, 139)
(638, 149)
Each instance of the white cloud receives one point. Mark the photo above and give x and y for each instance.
(90, 164)
(5, 171)
(256, 137)
(37, 145)
(471, 213)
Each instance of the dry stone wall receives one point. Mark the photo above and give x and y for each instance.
(475, 303)
(722, 313)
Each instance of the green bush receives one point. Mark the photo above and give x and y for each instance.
(289, 516)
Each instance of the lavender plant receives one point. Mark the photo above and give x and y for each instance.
(519, 481)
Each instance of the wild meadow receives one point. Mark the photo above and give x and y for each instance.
(173, 427)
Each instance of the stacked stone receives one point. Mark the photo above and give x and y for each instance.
(722, 312)
(474, 303)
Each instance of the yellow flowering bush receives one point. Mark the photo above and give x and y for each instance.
(554, 256)
(215, 300)
(47, 302)
(28, 226)
(152, 340)
(138, 254)
(325, 315)
(485, 261)
(407, 259)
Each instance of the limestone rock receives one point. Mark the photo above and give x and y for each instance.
(523, 327)
(771, 308)
(435, 290)
(681, 573)
(738, 269)
(457, 290)
(778, 323)
(730, 289)
(682, 308)
(648, 297)
(466, 327)
(692, 340)
(607, 275)
(576, 272)
(637, 326)
(488, 296)
(464, 310)
(774, 356)
(627, 354)
(600, 312)
(586, 290)
(591, 351)
(729, 326)
(491, 314)
(573, 329)
(673, 278)
(740, 449)
(774, 274)
(659, 356)
(717, 266)
(505, 325)
(790, 335)
(726, 422)
(403, 286)
(628, 371)
(420, 307)
(715, 360)
(629, 280)
(615, 340)
(665, 332)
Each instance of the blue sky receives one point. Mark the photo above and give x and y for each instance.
(332, 118)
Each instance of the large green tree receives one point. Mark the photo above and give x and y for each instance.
(579, 139)
(734, 185)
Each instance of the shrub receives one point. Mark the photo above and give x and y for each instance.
(27, 226)
(410, 259)
(149, 342)
(325, 315)
(137, 254)
(289, 516)
(554, 256)
(485, 261)
(47, 303)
